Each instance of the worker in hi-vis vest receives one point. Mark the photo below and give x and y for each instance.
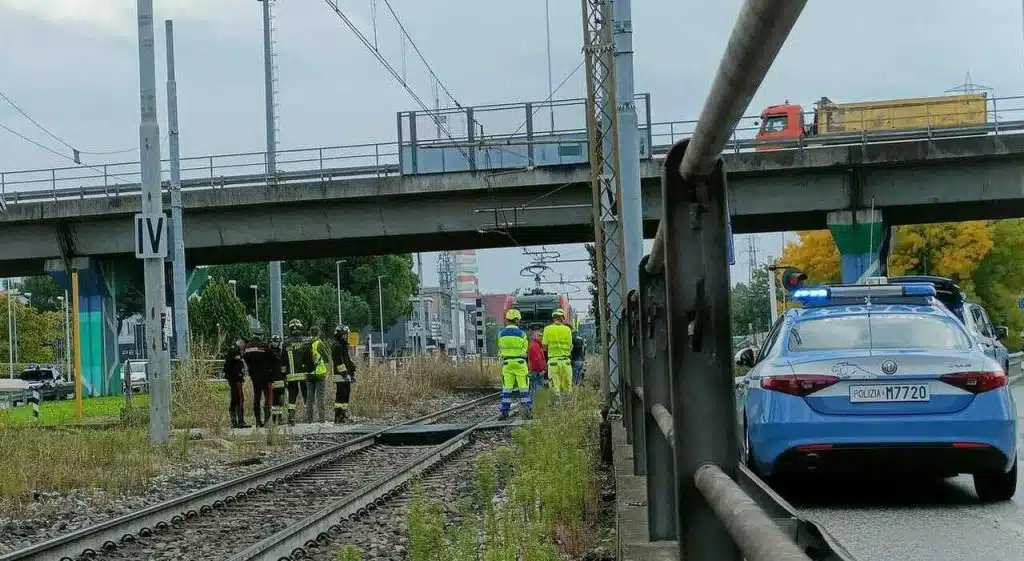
(512, 349)
(557, 341)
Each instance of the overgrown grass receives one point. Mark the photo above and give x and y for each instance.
(380, 390)
(547, 493)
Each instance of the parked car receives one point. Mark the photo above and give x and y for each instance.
(48, 381)
(137, 372)
(868, 379)
(974, 316)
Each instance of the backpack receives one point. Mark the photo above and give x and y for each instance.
(302, 353)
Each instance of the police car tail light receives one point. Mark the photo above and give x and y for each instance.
(976, 382)
(798, 384)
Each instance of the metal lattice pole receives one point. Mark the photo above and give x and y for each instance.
(602, 138)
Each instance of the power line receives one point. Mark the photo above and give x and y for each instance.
(58, 153)
(420, 54)
(74, 150)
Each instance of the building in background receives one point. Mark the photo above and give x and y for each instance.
(450, 326)
(467, 283)
(495, 306)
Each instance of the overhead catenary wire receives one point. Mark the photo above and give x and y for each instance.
(58, 153)
(333, 4)
(50, 133)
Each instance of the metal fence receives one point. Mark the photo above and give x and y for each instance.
(496, 150)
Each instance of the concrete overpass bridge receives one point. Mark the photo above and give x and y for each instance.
(469, 192)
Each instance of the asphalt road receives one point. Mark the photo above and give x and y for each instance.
(921, 520)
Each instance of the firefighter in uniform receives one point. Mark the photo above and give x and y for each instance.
(263, 367)
(277, 385)
(234, 373)
(557, 341)
(344, 373)
(295, 378)
(513, 345)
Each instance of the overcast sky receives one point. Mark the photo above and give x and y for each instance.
(73, 66)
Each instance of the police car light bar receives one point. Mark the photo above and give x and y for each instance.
(825, 293)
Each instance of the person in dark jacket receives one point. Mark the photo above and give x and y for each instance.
(344, 373)
(234, 373)
(262, 365)
(277, 381)
(579, 353)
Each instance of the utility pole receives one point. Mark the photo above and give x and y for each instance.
(423, 304)
(276, 307)
(631, 213)
(181, 349)
(153, 217)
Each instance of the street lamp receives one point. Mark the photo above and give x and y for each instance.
(337, 269)
(234, 289)
(256, 303)
(380, 298)
(17, 339)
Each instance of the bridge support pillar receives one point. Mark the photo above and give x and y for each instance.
(864, 239)
(97, 317)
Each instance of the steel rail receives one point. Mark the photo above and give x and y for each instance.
(109, 533)
(761, 29)
(289, 543)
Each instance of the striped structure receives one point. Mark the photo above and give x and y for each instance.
(480, 331)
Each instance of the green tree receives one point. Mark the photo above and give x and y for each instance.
(45, 293)
(751, 304)
(318, 305)
(217, 314)
(37, 332)
(997, 280)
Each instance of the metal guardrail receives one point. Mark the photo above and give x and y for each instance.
(116, 179)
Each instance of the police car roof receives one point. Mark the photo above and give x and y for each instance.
(917, 305)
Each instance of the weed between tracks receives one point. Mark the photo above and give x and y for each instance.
(379, 390)
(535, 501)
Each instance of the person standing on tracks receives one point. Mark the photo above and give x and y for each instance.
(536, 361)
(513, 350)
(579, 354)
(557, 341)
(316, 380)
(262, 365)
(298, 353)
(234, 373)
(277, 382)
(344, 373)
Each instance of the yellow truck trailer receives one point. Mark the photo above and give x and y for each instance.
(786, 122)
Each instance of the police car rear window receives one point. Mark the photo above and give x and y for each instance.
(879, 331)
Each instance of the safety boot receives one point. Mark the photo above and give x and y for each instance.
(258, 417)
(233, 415)
(266, 414)
(340, 416)
(241, 419)
(503, 416)
(291, 417)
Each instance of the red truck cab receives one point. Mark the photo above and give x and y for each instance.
(780, 123)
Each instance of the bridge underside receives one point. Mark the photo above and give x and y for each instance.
(963, 179)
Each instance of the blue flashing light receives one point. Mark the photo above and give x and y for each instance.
(919, 289)
(818, 294)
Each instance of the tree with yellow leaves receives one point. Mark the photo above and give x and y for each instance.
(948, 250)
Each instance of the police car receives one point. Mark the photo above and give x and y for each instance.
(877, 379)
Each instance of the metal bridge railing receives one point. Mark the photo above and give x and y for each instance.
(676, 356)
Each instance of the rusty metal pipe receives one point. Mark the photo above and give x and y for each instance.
(761, 29)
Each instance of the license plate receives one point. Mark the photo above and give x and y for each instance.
(882, 393)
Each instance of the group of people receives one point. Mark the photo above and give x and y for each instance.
(281, 371)
(549, 358)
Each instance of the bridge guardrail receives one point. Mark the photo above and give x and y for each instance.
(1003, 116)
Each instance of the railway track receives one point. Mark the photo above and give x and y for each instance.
(271, 513)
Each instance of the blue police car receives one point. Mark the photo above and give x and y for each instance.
(877, 379)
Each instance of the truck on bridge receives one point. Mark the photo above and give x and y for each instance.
(785, 124)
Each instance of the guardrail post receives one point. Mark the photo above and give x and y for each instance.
(320, 158)
(995, 115)
(529, 135)
(414, 168)
(471, 138)
(699, 347)
(650, 128)
(401, 170)
(211, 169)
(632, 400)
(53, 182)
(622, 334)
(653, 333)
